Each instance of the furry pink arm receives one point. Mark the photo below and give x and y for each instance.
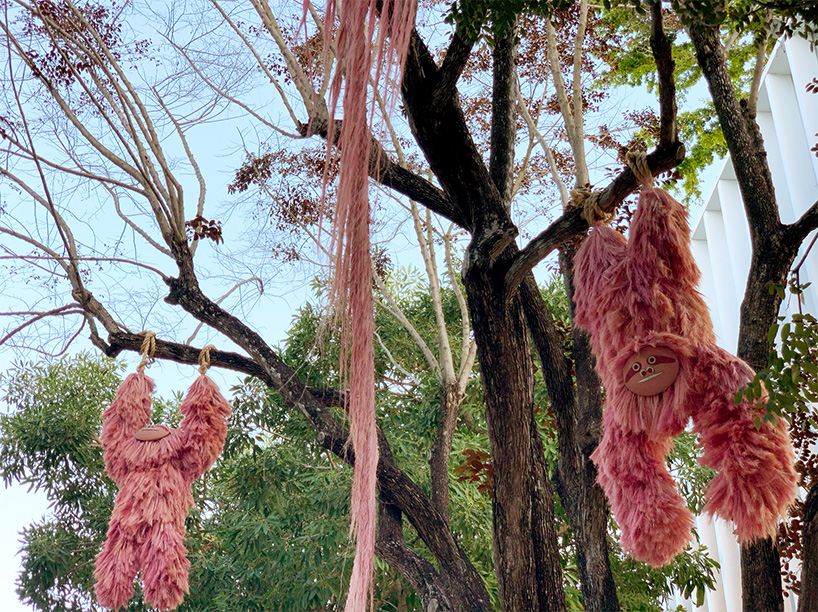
(129, 412)
(662, 273)
(203, 428)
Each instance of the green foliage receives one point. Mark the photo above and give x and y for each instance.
(490, 19)
(643, 588)
(790, 379)
(270, 522)
(49, 443)
(691, 475)
(631, 64)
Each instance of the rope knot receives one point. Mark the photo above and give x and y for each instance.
(147, 349)
(638, 163)
(592, 212)
(204, 358)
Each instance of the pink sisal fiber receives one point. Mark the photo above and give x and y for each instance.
(642, 293)
(147, 526)
(352, 288)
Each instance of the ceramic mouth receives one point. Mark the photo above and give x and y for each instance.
(650, 377)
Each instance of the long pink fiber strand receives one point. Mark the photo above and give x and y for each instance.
(352, 287)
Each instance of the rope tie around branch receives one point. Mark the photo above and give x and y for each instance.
(147, 349)
(592, 212)
(638, 163)
(204, 358)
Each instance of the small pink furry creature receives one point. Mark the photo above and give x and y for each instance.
(147, 527)
(638, 300)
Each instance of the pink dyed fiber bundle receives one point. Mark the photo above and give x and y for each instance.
(352, 289)
(638, 294)
(147, 526)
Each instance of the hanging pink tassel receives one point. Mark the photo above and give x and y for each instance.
(154, 476)
(352, 290)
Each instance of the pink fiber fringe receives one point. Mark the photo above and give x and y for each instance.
(147, 526)
(352, 290)
(642, 293)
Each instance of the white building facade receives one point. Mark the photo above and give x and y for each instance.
(788, 118)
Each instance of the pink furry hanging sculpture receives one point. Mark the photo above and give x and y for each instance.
(359, 21)
(154, 467)
(657, 358)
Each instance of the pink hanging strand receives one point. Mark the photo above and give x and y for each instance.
(352, 287)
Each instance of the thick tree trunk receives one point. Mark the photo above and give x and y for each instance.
(525, 545)
(519, 488)
(579, 431)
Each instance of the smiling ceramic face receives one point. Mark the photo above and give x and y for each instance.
(651, 371)
(149, 433)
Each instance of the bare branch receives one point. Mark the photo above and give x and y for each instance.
(579, 134)
(259, 61)
(426, 243)
(572, 128)
(808, 222)
(393, 308)
(111, 259)
(663, 158)
(535, 132)
(68, 309)
(236, 101)
(465, 324)
(225, 296)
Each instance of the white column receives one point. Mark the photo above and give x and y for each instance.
(714, 599)
(730, 560)
(725, 285)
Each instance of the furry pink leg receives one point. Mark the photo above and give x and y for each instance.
(116, 568)
(652, 516)
(756, 479)
(164, 565)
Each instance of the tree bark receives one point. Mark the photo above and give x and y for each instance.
(450, 400)
(528, 579)
(507, 375)
(809, 570)
(578, 433)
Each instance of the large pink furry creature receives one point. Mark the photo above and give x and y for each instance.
(638, 300)
(147, 526)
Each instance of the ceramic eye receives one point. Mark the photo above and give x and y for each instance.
(636, 367)
(651, 360)
(649, 370)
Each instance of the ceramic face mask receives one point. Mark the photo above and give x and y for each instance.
(152, 432)
(651, 371)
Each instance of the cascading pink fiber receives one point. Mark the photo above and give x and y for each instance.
(352, 289)
(638, 297)
(147, 526)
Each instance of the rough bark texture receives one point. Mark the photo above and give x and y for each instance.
(579, 427)
(450, 400)
(525, 545)
(809, 571)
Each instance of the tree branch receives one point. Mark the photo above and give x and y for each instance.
(457, 55)
(503, 124)
(663, 158)
(802, 228)
(663, 56)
